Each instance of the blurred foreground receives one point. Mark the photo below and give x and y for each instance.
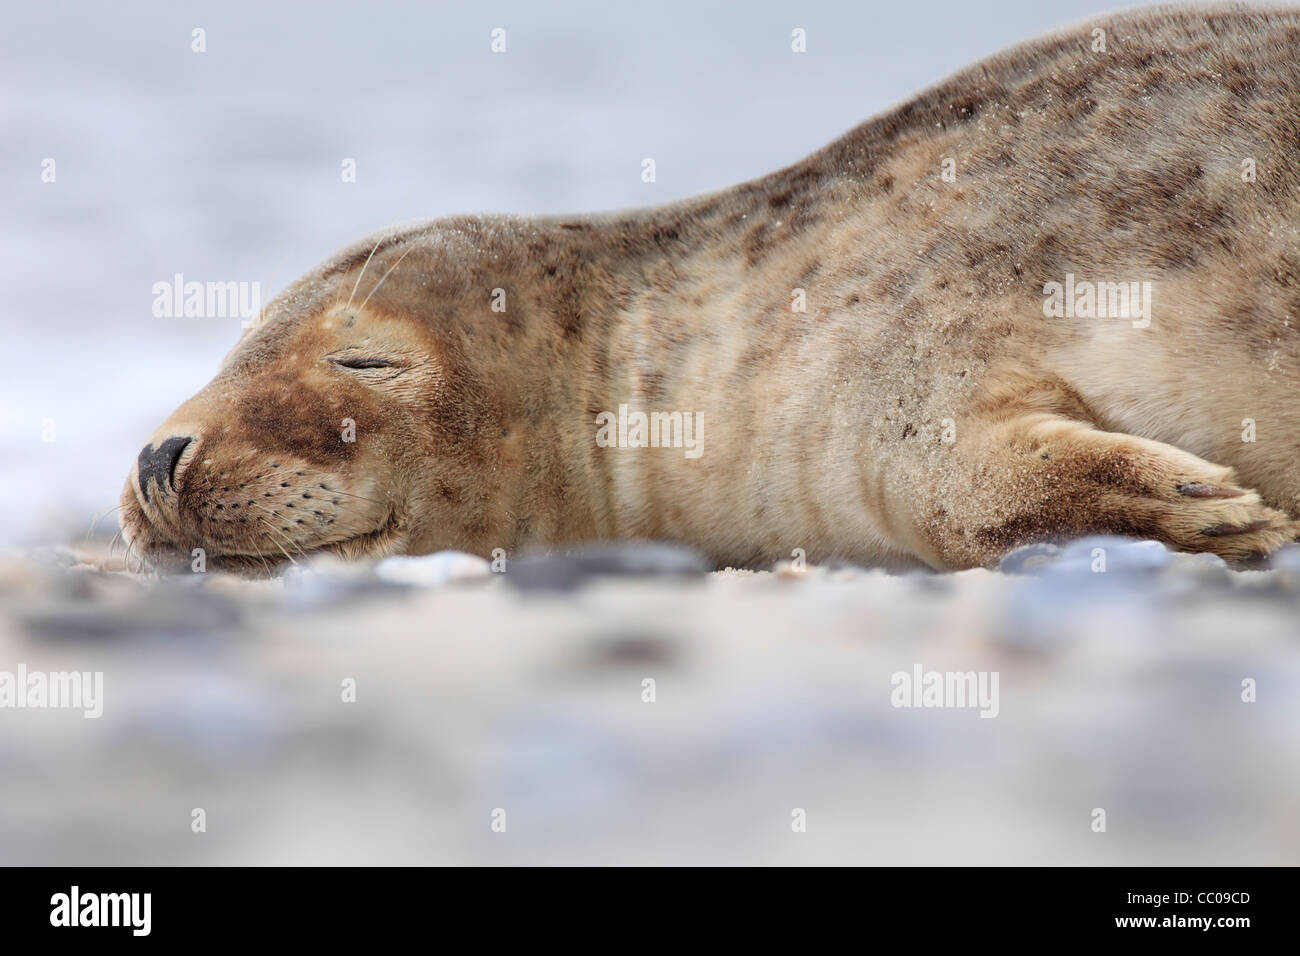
(1120, 691)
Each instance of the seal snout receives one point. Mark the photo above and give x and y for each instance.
(244, 507)
(157, 464)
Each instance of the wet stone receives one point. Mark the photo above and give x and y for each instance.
(1029, 559)
(433, 570)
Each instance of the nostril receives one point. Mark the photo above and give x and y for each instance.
(159, 463)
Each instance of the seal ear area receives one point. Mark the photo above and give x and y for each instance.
(371, 366)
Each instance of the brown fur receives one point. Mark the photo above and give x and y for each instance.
(823, 430)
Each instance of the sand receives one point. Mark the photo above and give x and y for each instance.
(496, 723)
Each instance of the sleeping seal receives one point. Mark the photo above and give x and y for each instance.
(1048, 297)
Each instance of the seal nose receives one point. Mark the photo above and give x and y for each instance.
(158, 463)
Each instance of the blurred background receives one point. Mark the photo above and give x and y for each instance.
(226, 165)
(1119, 691)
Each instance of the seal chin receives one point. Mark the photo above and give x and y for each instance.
(385, 540)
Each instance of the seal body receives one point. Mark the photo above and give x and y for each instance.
(1051, 296)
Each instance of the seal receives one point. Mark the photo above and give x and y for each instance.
(1051, 296)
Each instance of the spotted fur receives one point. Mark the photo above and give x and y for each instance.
(922, 410)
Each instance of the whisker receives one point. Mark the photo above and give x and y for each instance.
(277, 543)
(112, 545)
(271, 528)
(126, 559)
(348, 494)
(385, 277)
(100, 517)
(363, 271)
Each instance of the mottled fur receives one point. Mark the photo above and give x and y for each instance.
(824, 430)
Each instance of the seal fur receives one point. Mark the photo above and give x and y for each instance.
(923, 410)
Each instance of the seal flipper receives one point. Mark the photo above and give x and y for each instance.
(1041, 476)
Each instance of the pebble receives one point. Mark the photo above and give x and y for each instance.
(433, 570)
(564, 571)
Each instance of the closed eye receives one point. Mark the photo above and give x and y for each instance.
(363, 363)
(367, 367)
